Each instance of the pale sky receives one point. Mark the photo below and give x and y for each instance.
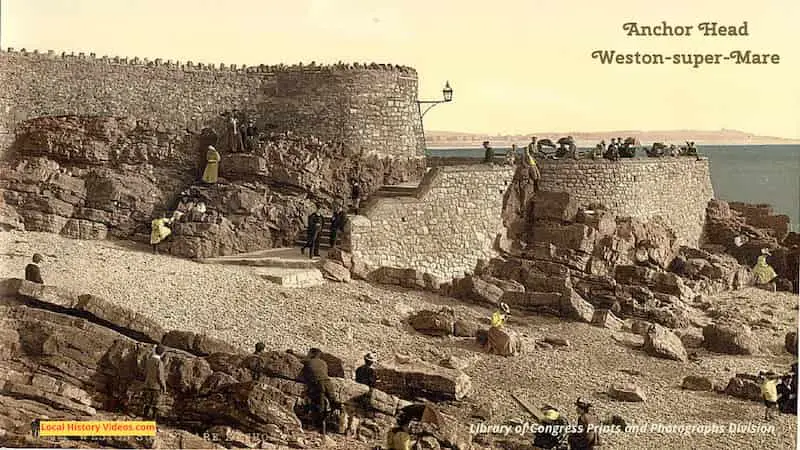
(516, 66)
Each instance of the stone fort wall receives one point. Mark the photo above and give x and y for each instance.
(450, 222)
(677, 189)
(370, 108)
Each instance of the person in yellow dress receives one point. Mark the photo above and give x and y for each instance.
(159, 231)
(212, 165)
(763, 272)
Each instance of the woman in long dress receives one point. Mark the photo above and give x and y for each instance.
(212, 165)
(159, 231)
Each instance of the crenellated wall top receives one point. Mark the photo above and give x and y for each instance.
(222, 67)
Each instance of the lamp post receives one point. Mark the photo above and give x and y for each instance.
(447, 96)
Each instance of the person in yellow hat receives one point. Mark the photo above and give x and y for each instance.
(764, 273)
(212, 165)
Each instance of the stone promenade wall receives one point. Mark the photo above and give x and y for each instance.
(677, 189)
(451, 222)
(370, 108)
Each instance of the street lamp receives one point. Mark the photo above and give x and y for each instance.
(447, 95)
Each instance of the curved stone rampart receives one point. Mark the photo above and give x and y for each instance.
(676, 189)
(371, 108)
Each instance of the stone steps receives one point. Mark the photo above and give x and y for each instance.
(291, 277)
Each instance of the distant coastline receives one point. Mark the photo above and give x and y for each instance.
(451, 139)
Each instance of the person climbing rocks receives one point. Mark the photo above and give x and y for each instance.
(338, 220)
(587, 436)
(260, 347)
(319, 388)
(764, 273)
(159, 231)
(488, 155)
(366, 373)
(32, 271)
(769, 392)
(553, 433)
(355, 195)
(533, 168)
(211, 172)
(313, 233)
(155, 381)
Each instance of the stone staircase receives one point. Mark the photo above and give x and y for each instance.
(287, 266)
(283, 266)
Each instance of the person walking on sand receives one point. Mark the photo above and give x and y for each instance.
(32, 272)
(212, 166)
(769, 392)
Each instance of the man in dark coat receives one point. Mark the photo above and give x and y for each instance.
(314, 233)
(337, 224)
(488, 153)
(318, 385)
(32, 272)
(366, 374)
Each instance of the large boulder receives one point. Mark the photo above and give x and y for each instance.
(746, 388)
(554, 206)
(433, 323)
(335, 271)
(663, 343)
(731, 338)
(476, 289)
(421, 379)
(575, 307)
(197, 344)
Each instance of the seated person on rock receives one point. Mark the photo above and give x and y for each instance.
(552, 430)
(366, 374)
(260, 347)
(32, 272)
(763, 273)
(501, 341)
(787, 392)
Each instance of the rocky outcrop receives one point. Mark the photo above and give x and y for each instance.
(89, 177)
(72, 357)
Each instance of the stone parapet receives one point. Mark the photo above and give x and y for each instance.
(450, 223)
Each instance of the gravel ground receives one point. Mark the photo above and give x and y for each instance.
(233, 304)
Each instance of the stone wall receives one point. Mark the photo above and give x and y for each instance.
(450, 223)
(369, 108)
(676, 189)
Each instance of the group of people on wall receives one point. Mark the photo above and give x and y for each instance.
(565, 148)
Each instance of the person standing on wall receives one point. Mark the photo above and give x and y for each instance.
(533, 168)
(488, 155)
